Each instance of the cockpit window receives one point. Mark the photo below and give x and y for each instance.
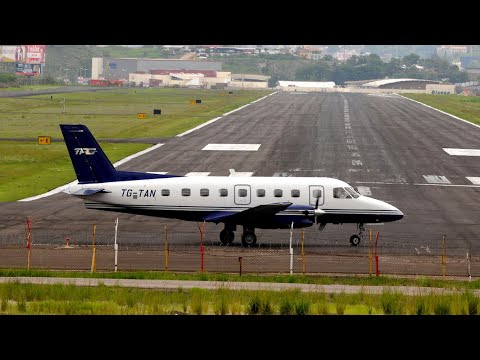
(341, 193)
(352, 192)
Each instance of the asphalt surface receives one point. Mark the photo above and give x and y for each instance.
(384, 143)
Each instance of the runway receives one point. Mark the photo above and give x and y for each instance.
(388, 146)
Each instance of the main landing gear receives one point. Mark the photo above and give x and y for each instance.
(227, 236)
(355, 239)
(249, 238)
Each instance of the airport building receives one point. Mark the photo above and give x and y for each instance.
(171, 72)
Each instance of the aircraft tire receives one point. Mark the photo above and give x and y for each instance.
(249, 239)
(354, 240)
(226, 236)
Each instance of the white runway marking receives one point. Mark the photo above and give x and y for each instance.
(468, 186)
(474, 180)
(436, 179)
(128, 158)
(240, 108)
(232, 147)
(242, 174)
(199, 126)
(218, 118)
(197, 173)
(383, 183)
(462, 152)
(384, 95)
(443, 112)
(281, 174)
(299, 169)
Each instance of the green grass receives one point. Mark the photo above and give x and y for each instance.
(30, 87)
(28, 169)
(465, 107)
(17, 298)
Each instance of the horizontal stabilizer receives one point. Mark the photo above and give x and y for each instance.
(86, 192)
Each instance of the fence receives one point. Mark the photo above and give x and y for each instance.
(93, 248)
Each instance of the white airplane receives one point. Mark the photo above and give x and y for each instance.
(250, 202)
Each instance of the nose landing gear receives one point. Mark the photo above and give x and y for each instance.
(355, 239)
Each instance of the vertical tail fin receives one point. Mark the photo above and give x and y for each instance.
(89, 161)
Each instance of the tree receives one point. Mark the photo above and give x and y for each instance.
(410, 60)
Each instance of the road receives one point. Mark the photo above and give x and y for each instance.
(234, 285)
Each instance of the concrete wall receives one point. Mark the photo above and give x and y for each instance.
(248, 84)
(354, 90)
(440, 89)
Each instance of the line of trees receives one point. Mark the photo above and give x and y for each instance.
(371, 66)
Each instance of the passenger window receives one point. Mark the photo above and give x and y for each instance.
(185, 192)
(261, 192)
(165, 192)
(317, 194)
(204, 192)
(278, 193)
(296, 193)
(242, 192)
(223, 192)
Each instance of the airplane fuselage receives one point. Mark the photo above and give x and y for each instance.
(195, 197)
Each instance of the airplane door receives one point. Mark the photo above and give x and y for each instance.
(242, 194)
(316, 191)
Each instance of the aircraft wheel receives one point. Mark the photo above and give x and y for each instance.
(249, 238)
(354, 240)
(227, 236)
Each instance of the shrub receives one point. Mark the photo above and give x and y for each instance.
(302, 307)
(286, 307)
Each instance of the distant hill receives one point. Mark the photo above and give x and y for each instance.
(76, 57)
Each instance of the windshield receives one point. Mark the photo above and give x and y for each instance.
(345, 193)
(352, 192)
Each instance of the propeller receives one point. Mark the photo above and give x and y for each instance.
(317, 212)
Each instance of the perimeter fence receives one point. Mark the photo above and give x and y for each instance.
(99, 248)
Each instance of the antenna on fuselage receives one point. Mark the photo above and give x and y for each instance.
(232, 172)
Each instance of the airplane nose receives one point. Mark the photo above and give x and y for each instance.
(390, 212)
(394, 211)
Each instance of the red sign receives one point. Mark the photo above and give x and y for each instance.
(35, 54)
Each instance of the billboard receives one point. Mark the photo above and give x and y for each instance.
(35, 54)
(7, 54)
(28, 69)
(24, 54)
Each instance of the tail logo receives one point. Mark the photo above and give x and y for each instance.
(86, 151)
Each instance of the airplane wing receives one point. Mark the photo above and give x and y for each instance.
(258, 213)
